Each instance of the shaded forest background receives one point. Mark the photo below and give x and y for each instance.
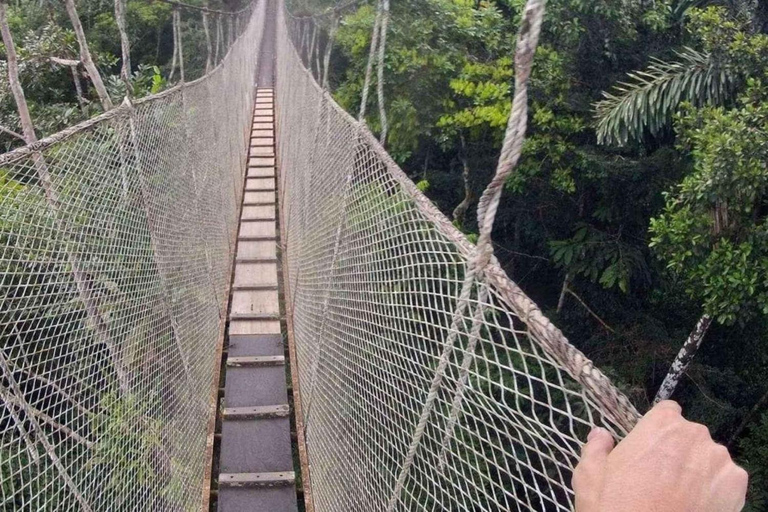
(637, 209)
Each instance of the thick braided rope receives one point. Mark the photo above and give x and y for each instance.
(527, 40)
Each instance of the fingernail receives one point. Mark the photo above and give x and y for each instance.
(594, 432)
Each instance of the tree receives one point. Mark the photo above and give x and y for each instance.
(85, 56)
(712, 230)
(728, 50)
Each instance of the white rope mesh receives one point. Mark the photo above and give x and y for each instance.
(373, 274)
(106, 377)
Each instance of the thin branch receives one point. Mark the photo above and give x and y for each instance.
(589, 310)
(11, 132)
(64, 62)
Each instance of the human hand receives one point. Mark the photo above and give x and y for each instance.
(666, 464)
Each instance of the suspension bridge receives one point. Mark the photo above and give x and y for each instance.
(227, 295)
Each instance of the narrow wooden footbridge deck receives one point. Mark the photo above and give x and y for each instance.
(256, 471)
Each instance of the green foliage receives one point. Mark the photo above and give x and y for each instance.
(727, 53)
(755, 448)
(128, 438)
(600, 258)
(648, 101)
(712, 230)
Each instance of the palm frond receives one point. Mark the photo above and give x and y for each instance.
(647, 101)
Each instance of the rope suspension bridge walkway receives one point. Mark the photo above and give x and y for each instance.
(141, 245)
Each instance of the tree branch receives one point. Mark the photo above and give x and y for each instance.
(11, 132)
(589, 310)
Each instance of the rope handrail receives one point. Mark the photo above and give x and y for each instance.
(200, 8)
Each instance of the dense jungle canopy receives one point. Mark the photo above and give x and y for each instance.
(637, 216)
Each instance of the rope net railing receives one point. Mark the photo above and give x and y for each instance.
(394, 418)
(116, 240)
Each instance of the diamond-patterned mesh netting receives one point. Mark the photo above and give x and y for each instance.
(373, 272)
(116, 242)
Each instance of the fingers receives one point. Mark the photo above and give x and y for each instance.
(599, 445)
(668, 405)
(588, 475)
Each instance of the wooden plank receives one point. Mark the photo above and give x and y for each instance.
(258, 229)
(255, 361)
(256, 250)
(262, 151)
(258, 345)
(255, 301)
(247, 274)
(246, 327)
(263, 133)
(256, 413)
(260, 183)
(258, 212)
(257, 479)
(261, 142)
(261, 162)
(262, 124)
(261, 172)
(261, 198)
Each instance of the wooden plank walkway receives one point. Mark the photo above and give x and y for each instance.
(256, 463)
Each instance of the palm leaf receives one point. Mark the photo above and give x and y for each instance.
(647, 101)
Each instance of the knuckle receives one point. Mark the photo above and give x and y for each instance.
(699, 431)
(721, 453)
(670, 405)
(740, 476)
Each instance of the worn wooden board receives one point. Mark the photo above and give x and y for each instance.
(249, 327)
(255, 273)
(261, 172)
(255, 250)
(261, 162)
(255, 301)
(264, 197)
(258, 213)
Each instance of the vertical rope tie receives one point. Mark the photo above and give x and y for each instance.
(527, 40)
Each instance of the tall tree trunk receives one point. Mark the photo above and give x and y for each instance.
(380, 69)
(369, 66)
(175, 47)
(80, 277)
(208, 45)
(85, 56)
(125, 44)
(219, 37)
(78, 88)
(313, 42)
(329, 49)
(180, 46)
(683, 358)
(460, 212)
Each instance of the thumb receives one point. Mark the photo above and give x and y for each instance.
(588, 475)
